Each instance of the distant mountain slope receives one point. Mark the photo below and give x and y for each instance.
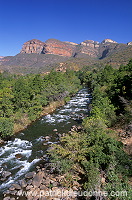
(31, 63)
(37, 56)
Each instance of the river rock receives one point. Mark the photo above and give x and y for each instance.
(12, 188)
(45, 144)
(103, 180)
(30, 175)
(3, 179)
(59, 135)
(5, 174)
(29, 182)
(75, 183)
(29, 197)
(29, 187)
(54, 184)
(1, 141)
(38, 178)
(35, 198)
(47, 182)
(6, 192)
(13, 192)
(75, 188)
(16, 186)
(18, 156)
(47, 138)
(6, 198)
(43, 187)
(57, 199)
(23, 183)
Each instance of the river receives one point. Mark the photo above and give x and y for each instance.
(25, 150)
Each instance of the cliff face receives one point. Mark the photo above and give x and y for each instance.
(57, 47)
(90, 48)
(51, 46)
(68, 49)
(37, 56)
(33, 46)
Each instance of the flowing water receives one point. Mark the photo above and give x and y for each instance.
(25, 151)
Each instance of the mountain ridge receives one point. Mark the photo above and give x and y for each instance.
(37, 56)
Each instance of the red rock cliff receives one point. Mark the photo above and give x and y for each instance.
(57, 47)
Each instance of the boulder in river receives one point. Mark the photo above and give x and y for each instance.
(5, 174)
(18, 156)
(1, 141)
(47, 138)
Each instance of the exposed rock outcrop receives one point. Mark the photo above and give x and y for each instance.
(51, 46)
(73, 43)
(90, 47)
(90, 43)
(108, 41)
(106, 47)
(33, 46)
(129, 43)
(37, 56)
(57, 47)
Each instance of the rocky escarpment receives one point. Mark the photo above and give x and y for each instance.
(69, 49)
(57, 47)
(37, 56)
(51, 46)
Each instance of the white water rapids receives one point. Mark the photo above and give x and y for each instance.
(19, 155)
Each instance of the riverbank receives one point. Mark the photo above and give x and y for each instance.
(24, 121)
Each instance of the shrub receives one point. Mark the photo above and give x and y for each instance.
(6, 127)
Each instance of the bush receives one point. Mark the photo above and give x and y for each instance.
(6, 127)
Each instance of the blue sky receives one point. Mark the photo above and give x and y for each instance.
(66, 20)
